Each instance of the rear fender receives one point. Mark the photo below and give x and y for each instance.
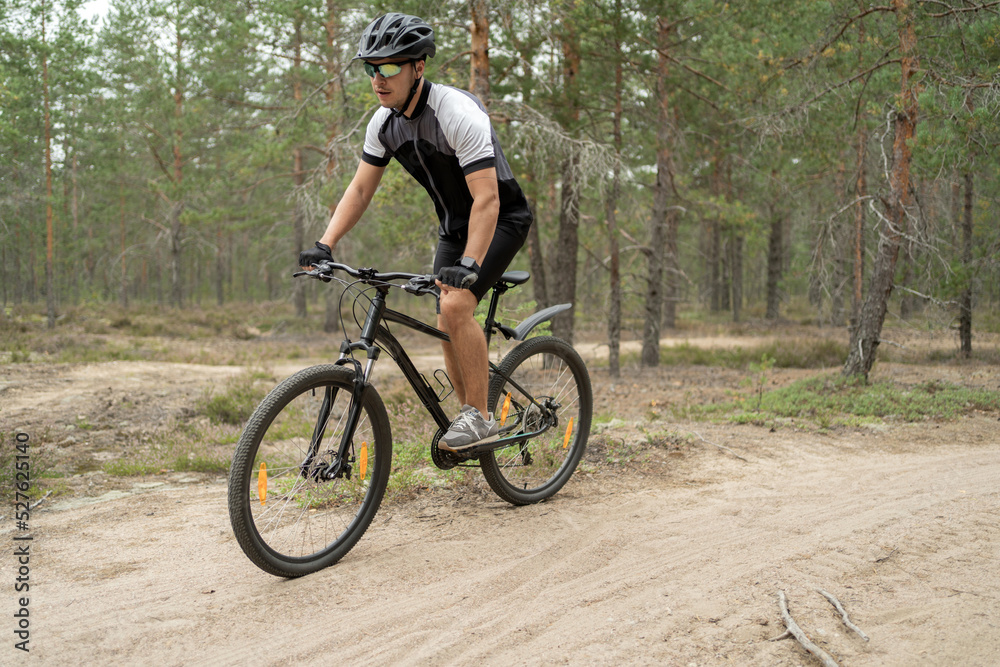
(525, 327)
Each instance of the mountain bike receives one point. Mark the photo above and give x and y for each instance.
(314, 459)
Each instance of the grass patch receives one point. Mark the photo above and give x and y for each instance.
(818, 353)
(132, 468)
(235, 334)
(833, 400)
(189, 446)
(177, 451)
(792, 353)
(39, 465)
(237, 400)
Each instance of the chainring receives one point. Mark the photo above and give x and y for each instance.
(442, 459)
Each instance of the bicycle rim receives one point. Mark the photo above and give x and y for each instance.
(287, 517)
(548, 387)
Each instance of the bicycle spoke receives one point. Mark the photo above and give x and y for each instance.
(306, 519)
(549, 387)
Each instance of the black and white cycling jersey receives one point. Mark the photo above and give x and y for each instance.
(448, 137)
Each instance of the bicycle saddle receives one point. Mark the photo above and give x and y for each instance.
(515, 277)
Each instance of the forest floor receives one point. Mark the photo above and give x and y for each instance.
(668, 546)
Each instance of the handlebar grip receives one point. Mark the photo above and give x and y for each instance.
(421, 285)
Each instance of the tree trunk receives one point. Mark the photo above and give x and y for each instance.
(725, 285)
(220, 268)
(75, 215)
(298, 227)
(537, 260)
(331, 318)
(866, 337)
(840, 267)
(906, 300)
(50, 288)
(177, 205)
(965, 300)
(479, 81)
(298, 215)
(565, 260)
(615, 288)
(176, 241)
(650, 355)
(737, 264)
(775, 257)
(123, 287)
(861, 191)
(672, 270)
(714, 247)
(661, 224)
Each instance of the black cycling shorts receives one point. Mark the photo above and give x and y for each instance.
(507, 240)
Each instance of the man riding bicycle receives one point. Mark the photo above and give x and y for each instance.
(443, 137)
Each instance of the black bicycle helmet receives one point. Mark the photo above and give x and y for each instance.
(396, 36)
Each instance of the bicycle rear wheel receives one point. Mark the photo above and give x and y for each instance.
(288, 518)
(549, 388)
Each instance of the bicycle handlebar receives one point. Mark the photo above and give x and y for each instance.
(417, 283)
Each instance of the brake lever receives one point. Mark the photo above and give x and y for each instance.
(314, 273)
(420, 285)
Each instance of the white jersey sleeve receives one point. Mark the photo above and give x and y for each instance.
(374, 152)
(466, 128)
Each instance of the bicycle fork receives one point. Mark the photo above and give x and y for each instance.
(340, 466)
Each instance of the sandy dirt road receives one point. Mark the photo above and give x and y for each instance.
(675, 561)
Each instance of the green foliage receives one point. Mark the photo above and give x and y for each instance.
(248, 119)
(40, 464)
(237, 400)
(833, 400)
(790, 353)
(760, 372)
(195, 446)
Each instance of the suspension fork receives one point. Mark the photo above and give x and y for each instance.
(341, 463)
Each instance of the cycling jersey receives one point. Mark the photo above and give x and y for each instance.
(448, 137)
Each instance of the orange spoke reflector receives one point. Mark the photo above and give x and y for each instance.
(569, 432)
(506, 409)
(364, 460)
(262, 483)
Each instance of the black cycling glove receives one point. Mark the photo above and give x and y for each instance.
(313, 256)
(460, 275)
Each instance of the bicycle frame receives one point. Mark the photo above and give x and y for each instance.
(375, 337)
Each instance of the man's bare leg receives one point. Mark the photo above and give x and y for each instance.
(466, 357)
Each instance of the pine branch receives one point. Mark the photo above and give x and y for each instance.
(961, 10)
(830, 89)
(851, 21)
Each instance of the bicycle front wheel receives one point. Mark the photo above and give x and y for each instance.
(544, 384)
(288, 517)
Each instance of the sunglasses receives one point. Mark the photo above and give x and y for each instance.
(385, 69)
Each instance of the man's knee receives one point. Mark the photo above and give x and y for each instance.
(457, 306)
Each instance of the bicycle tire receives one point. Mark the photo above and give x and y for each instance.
(534, 469)
(309, 523)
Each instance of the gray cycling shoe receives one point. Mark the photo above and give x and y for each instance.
(469, 428)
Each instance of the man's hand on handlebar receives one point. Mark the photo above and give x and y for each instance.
(312, 256)
(459, 276)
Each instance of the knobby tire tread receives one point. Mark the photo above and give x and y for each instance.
(241, 471)
(492, 470)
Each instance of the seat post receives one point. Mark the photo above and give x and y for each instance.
(499, 288)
